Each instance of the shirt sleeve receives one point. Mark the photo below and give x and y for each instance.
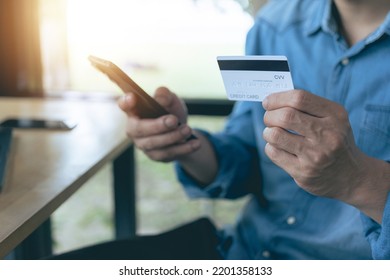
(235, 149)
(379, 235)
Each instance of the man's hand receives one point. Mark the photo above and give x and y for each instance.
(311, 139)
(162, 139)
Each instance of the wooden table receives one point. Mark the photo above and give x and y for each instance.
(47, 167)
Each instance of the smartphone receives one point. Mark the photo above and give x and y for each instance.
(146, 105)
(28, 123)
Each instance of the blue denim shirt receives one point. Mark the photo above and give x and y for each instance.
(294, 224)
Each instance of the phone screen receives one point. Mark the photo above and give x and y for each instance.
(38, 124)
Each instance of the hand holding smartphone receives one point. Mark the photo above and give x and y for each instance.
(147, 107)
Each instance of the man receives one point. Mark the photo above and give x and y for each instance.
(322, 151)
(327, 185)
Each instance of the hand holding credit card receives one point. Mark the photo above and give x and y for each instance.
(252, 78)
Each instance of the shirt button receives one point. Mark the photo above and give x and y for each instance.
(345, 61)
(266, 254)
(291, 220)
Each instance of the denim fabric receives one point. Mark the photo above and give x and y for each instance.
(295, 224)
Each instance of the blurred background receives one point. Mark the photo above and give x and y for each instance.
(172, 43)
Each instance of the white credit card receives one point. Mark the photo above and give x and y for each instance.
(252, 78)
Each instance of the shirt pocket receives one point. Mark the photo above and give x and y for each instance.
(374, 134)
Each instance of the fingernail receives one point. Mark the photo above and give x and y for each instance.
(185, 130)
(265, 102)
(126, 98)
(265, 131)
(195, 144)
(170, 122)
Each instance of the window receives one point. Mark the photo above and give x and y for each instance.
(171, 42)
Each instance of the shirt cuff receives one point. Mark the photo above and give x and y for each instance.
(379, 235)
(226, 150)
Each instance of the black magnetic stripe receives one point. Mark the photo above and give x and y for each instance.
(254, 65)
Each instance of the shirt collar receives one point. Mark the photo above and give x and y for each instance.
(383, 29)
(325, 20)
